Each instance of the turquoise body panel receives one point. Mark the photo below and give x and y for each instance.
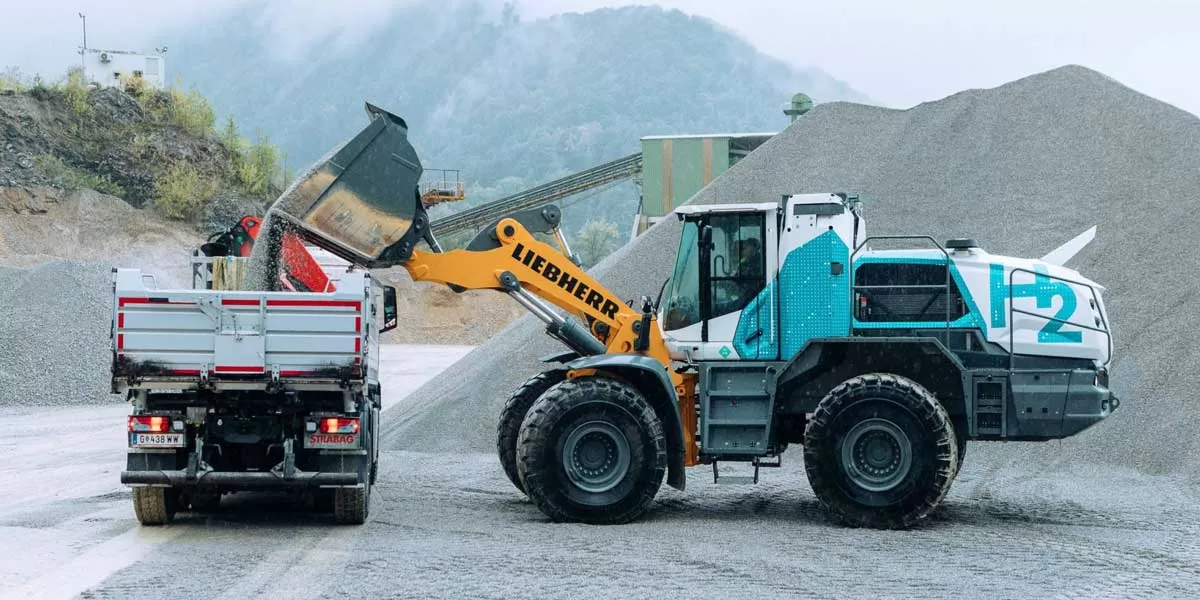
(814, 302)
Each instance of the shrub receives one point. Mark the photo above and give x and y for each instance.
(259, 164)
(191, 112)
(11, 80)
(73, 178)
(597, 239)
(182, 191)
(135, 87)
(75, 91)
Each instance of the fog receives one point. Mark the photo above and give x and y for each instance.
(899, 54)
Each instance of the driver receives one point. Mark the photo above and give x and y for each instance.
(750, 263)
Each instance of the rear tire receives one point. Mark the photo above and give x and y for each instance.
(880, 452)
(155, 505)
(351, 505)
(592, 450)
(509, 427)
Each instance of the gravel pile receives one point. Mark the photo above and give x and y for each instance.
(55, 347)
(56, 292)
(1021, 168)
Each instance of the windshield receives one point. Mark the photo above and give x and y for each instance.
(682, 304)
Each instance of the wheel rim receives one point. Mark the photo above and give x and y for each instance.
(596, 456)
(877, 455)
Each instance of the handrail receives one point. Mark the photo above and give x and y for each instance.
(947, 287)
(1012, 309)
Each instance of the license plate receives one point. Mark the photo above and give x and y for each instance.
(156, 440)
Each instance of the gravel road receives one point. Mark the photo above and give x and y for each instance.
(451, 526)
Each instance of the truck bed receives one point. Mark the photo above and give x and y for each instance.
(185, 335)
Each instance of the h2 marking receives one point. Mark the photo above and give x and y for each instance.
(1045, 290)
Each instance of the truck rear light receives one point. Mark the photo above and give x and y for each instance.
(149, 423)
(339, 425)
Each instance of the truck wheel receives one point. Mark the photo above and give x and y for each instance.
(880, 452)
(155, 505)
(509, 426)
(351, 505)
(592, 450)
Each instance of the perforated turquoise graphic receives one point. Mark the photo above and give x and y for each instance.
(813, 302)
(756, 337)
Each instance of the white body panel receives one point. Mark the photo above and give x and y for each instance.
(803, 227)
(183, 333)
(1077, 300)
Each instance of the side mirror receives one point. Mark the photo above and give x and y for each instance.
(390, 317)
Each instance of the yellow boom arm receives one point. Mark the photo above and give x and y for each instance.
(524, 266)
(533, 273)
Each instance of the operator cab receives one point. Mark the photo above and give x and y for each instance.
(722, 301)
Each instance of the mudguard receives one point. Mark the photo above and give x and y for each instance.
(652, 379)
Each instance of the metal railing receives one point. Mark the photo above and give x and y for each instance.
(946, 288)
(1012, 309)
(474, 218)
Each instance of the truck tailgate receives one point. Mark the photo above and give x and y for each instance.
(237, 333)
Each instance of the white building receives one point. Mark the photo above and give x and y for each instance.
(107, 67)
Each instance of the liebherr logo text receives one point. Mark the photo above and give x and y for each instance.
(571, 285)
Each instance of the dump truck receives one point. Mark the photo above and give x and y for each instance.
(237, 390)
(781, 324)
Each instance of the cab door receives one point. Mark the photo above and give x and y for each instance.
(718, 305)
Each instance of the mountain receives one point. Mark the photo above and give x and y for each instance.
(510, 103)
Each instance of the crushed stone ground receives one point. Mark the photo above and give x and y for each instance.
(446, 526)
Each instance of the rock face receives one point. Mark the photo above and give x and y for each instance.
(115, 139)
(1021, 168)
(29, 200)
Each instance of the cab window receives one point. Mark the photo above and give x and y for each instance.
(682, 296)
(737, 271)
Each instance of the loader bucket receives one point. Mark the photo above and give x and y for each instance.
(361, 201)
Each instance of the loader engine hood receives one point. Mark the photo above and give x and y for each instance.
(1027, 306)
(361, 201)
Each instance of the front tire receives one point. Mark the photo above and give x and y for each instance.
(508, 429)
(880, 452)
(592, 450)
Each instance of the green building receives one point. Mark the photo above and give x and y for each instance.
(674, 167)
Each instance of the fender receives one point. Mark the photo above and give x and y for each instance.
(833, 360)
(654, 381)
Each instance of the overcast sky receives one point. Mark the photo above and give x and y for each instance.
(899, 53)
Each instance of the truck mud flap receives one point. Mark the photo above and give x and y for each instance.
(299, 479)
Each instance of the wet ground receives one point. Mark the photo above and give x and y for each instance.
(451, 526)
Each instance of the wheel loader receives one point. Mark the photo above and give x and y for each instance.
(780, 325)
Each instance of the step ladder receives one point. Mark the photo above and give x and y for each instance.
(745, 479)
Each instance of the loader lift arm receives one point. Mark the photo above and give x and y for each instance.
(509, 258)
(621, 341)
